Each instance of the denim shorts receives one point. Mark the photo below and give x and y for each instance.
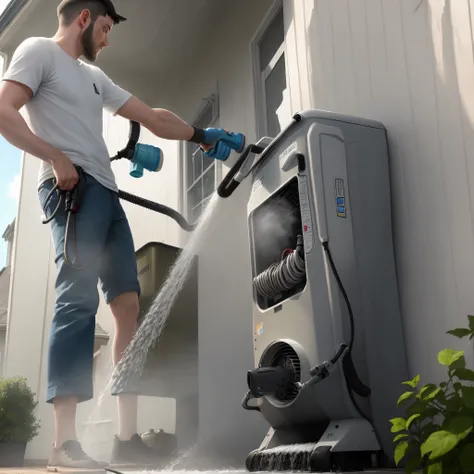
(103, 243)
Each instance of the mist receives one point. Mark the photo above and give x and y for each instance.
(274, 228)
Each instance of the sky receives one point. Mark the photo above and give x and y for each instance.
(10, 165)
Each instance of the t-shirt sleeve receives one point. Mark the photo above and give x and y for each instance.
(30, 64)
(114, 96)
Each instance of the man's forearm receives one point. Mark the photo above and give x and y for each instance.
(16, 131)
(160, 122)
(169, 126)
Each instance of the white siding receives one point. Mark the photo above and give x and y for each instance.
(2, 349)
(413, 70)
(225, 296)
(225, 322)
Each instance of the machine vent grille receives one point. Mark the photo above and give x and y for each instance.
(285, 356)
(292, 195)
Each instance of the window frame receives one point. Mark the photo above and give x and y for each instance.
(213, 102)
(261, 76)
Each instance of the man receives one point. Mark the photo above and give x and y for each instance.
(63, 98)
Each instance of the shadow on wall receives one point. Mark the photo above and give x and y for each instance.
(404, 64)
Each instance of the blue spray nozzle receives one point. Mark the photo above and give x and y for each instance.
(235, 141)
(221, 150)
(147, 157)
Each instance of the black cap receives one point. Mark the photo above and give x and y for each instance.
(107, 3)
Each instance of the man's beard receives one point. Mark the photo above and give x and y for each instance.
(89, 51)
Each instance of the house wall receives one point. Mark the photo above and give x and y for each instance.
(225, 324)
(2, 349)
(225, 292)
(412, 69)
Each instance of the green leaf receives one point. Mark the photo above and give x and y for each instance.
(398, 424)
(468, 396)
(399, 437)
(467, 458)
(464, 374)
(459, 332)
(449, 356)
(429, 429)
(413, 462)
(404, 397)
(471, 322)
(460, 426)
(400, 451)
(412, 383)
(453, 404)
(458, 364)
(436, 468)
(427, 387)
(431, 394)
(416, 407)
(439, 443)
(411, 419)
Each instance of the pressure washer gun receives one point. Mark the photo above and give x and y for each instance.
(223, 145)
(150, 157)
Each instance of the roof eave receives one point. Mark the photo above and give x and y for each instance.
(11, 11)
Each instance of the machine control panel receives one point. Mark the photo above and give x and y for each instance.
(340, 197)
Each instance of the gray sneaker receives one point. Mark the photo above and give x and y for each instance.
(71, 455)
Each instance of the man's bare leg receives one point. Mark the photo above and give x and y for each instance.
(128, 446)
(125, 309)
(64, 419)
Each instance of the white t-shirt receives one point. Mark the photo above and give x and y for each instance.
(66, 109)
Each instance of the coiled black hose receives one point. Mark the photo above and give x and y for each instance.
(283, 275)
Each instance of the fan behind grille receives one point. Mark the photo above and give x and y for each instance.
(283, 355)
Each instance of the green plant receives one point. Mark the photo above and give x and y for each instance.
(437, 434)
(18, 422)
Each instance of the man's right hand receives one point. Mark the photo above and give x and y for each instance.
(65, 172)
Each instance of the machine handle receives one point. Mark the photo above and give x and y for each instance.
(228, 185)
(236, 174)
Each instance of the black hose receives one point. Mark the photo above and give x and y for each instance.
(154, 206)
(56, 190)
(133, 137)
(114, 471)
(245, 402)
(65, 196)
(349, 369)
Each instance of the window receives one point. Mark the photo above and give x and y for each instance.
(200, 170)
(271, 80)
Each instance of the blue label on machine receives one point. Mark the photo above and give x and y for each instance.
(340, 197)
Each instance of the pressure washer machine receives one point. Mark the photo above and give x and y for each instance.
(328, 337)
